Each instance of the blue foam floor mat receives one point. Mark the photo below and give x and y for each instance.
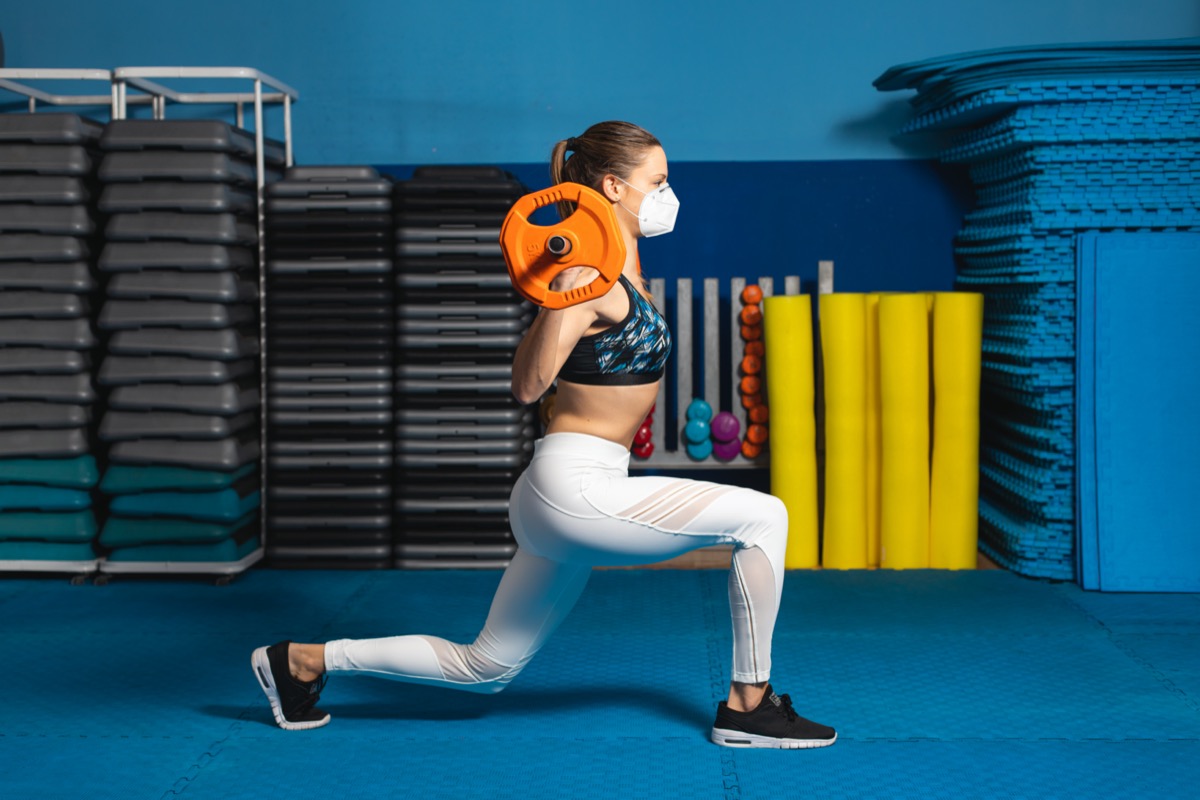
(969, 684)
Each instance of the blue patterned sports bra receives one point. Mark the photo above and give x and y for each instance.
(632, 352)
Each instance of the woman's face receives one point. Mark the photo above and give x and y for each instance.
(650, 174)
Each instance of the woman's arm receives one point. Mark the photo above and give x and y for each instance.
(545, 348)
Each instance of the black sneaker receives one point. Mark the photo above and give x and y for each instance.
(294, 702)
(773, 724)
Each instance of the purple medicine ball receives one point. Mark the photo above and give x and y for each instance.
(725, 427)
(727, 451)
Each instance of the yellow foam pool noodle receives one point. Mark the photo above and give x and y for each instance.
(787, 335)
(844, 357)
(954, 491)
(874, 443)
(904, 471)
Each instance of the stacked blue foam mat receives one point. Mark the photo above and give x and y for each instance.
(1059, 141)
(48, 225)
(180, 371)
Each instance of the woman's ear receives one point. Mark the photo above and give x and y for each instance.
(611, 187)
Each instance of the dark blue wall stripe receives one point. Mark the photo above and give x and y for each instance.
(888, 225)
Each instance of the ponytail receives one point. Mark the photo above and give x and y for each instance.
(616, 148)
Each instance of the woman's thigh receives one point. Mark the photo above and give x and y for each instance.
(609, 520)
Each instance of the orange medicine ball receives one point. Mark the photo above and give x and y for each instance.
(749, 401)
(751, 384)
(752, 294)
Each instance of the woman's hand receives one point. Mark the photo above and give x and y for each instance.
(573, 277)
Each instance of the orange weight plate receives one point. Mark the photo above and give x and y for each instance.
(536, 254)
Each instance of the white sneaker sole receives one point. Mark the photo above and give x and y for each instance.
(728, 738)
(261, 665)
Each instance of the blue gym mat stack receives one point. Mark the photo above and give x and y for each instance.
(1059, 141)
(461, 438)
(48, 227)
(180, 371)
(330, 351)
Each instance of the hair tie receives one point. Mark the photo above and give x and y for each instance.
(572, 142)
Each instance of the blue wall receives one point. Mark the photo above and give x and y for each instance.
(415, 81)
(780, 147)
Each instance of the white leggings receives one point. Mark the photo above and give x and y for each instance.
(576, 507)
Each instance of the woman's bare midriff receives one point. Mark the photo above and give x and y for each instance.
(610, 412)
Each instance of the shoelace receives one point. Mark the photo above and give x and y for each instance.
(785, 705)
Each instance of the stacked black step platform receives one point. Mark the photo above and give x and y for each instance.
(48, 224)
(181, 366)
(461, 438)
(330, 353)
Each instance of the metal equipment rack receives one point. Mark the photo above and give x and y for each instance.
(133, 86)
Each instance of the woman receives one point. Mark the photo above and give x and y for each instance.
(576, 507)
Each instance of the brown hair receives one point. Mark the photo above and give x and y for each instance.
(606, 147)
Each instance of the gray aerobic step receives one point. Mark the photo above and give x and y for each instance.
(482, 327)
(35, 247)
(451, 447)
(71, 278)
(40, 361)
(75, 389)
(118, 315)
(225, 455)
(138, 256)
(329, 372)
(43, 415)
(331, 173)
(331, 189)
(325, 387)
(51, 190)
(449, 234)
(46, 220)
(65, 443)
(45, 159)
(163, 284)
(131, 425)
(454, 309)
(220, 229)
(226, 400)
(377, 402)
(42, 305)
(304, 205)
(469, 416)
(462, 430)
(321, 462)
(221, 345)
(57, 334)
(159, 165)
(302, 419)
(331, 266)
(210, 198)
(340, 448)
(130, 370)
(49, 128)
(192, 134)
(435, 460)
(458, 341)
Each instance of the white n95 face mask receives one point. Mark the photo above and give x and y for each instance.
(658, 211)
